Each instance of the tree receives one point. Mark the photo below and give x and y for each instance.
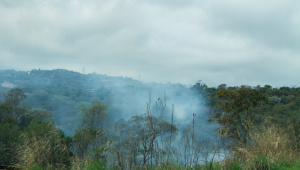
(238, 114)
(9, 131)
(10, 109)
(90, 139)
(92, 115)
(140, 135)
(26, 140)
(222, 86)
(14, 97)
(37, 115)
(201, 88)
(9, 138)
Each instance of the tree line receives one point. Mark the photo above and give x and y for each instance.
(28, 137)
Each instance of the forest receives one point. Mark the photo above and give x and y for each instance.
(60, 119)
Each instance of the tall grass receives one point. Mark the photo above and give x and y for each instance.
(44, 149)
(143, 144)
(270, 147)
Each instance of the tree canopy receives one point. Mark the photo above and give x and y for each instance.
(237, 111)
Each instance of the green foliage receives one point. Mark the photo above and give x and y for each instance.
(42, 145)
(14, 97)
(239, 111)
(90, 140)
(209, 166)
(9, 138)
(234, 166)
(96, 165)
(10, 112)
(37, 167)
(37, 115)
(263, 163)
(297, 102)
(82, 139)
(10, 109)
(66, 94)
(92, 115)
(26, 140)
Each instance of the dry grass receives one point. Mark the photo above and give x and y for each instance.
(272, 143)
(42, 150)
(80, 163)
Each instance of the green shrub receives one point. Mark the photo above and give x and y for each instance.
(96, 165)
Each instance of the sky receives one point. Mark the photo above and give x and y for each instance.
(233, 42)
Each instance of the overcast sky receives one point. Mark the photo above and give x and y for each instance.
(235, 42)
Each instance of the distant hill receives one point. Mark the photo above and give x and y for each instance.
(61, 76)
(63, 93)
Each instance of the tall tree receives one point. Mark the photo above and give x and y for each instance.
(92, 115)
(10, 109)
(237, 111)
(90, 139)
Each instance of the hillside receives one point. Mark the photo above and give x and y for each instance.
(90, 111)
(63, 93)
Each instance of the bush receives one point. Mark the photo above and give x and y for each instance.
(42, 146)
(9, 138)
(96, 165)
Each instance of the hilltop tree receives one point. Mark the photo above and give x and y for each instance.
(201, 88)
(237, 111)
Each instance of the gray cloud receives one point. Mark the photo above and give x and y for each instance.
(232, 42)
(271, 24)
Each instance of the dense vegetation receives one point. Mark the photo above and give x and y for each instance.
(65, 120)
